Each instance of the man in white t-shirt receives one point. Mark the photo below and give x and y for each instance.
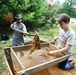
(18, 38)
(65, 40)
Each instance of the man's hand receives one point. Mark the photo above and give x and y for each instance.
(26, 34)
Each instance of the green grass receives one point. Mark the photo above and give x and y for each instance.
(73, 26)
(3, 45)
(2, 61)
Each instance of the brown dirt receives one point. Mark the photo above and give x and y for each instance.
(36, 43)
(37, 57)
(6, 72)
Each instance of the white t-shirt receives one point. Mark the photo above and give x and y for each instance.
(18, 38)
(66, 37)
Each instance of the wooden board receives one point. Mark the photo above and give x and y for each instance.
(8, 65)
(27, 47)
(16, 59)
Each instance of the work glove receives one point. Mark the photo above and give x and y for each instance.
(53, 41)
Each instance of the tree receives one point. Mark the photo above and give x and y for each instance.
(69, 7)
(34, 12)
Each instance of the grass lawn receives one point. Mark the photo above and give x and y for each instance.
(73, 26)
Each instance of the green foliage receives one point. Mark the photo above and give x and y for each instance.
(2, 64)
(48, 32)
(53, 32)
(35, 13)
(69, 7)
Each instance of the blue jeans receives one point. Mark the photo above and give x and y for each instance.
(65, 65)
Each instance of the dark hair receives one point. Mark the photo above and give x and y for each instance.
(64, 17)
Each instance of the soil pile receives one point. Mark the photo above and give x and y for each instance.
(36, 43)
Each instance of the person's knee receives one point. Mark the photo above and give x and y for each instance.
(67, 66)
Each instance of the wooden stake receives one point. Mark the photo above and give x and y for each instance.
(9, 59)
